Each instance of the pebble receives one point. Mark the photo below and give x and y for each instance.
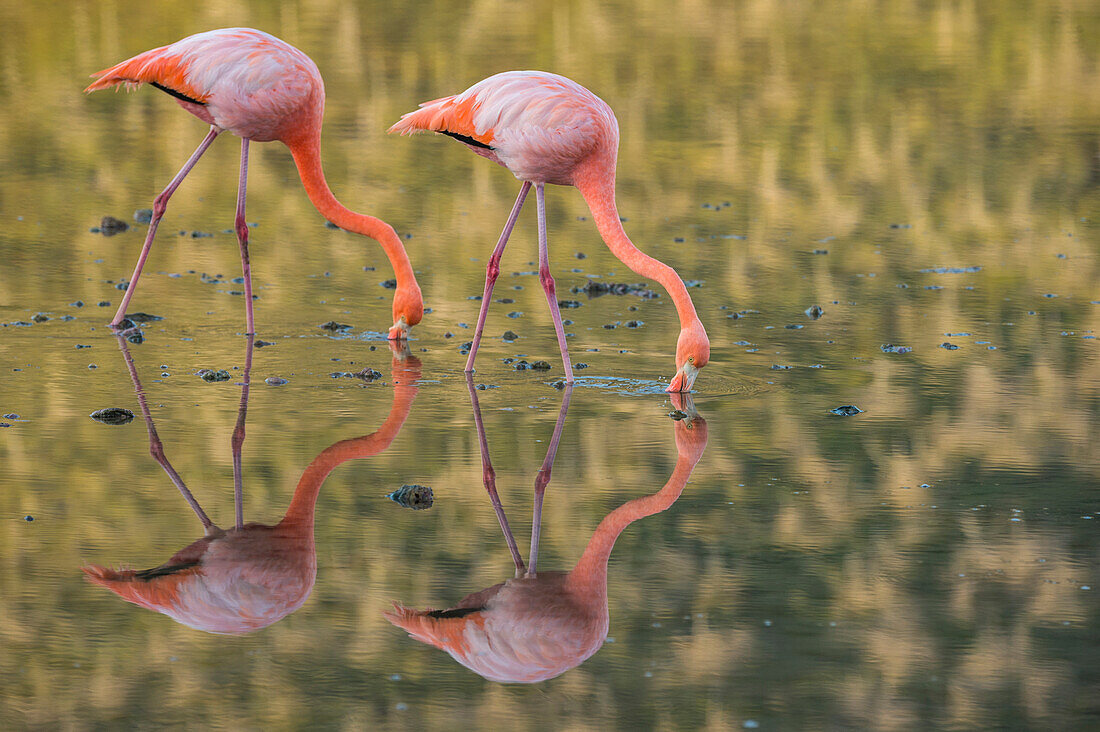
(143, 215)
(508, 336)
(109, 226)
(112, 415)
(814, 312)
(275, 381)
(213, 375)
(415, 497)
(846, 410)
(334, 327)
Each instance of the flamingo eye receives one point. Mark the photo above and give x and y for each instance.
(691, 359)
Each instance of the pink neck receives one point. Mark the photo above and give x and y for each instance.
(302, 506)
(598, 188)
(590, 574)
(306, 150)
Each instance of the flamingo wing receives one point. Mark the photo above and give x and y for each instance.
(538, 124)
(241, 79)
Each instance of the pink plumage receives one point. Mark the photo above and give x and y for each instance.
(546, 128)
(259, 88)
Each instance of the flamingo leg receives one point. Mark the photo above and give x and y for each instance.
(492, 271)
(543, 479)
(156, 448)
(489, 478)
(548, 285)
(242, 238)
(238, 437)
(160, 204)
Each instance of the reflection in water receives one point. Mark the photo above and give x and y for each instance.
(539, 625)
(248, 577)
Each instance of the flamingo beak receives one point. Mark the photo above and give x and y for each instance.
(399, 331)
(684, 379)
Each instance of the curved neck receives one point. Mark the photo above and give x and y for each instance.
(306, 151)
(302, 505)
(590, 574)
(597, 186)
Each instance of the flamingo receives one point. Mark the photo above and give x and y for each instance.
(539, 625)
(546, 128)
(259, 88)
(235, 581)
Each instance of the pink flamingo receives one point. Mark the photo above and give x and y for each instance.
(538, 626)
(242, 579)
(548, 129)
(259, 88)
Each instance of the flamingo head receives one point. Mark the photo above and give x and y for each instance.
(408, 310)
(692, 354)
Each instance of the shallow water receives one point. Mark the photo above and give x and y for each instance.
(926, 173)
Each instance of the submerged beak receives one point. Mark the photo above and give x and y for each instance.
(399, 331)
(684, 379)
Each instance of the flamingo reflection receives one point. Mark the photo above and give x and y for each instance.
(539, 625)
(242, 579)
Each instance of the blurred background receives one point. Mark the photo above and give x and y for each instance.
(924, 172)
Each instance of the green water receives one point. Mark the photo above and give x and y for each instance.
(925, 172)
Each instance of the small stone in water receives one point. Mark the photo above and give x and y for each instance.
(634, 323)
(143, 215)
(77, 304)
(275, 381)
(112, 415)
(40, 317)
(540, 366)
(13, 415)
(890, 348)
(514, 314)
(416, 497)
(569, 303)
(949, 346)
(104, 303)
(143, 317)
(262, 344)
(212, 375)
(846, 410)
(814, 312)
(508, 336)
(389, 284)
(109, 226)
(333, 326)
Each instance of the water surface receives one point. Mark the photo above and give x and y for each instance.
(925, 173)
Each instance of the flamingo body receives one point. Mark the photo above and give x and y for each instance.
(524, 630)
(538, 626)
(546, 128)
(260, 88)
(242, 579)
(237, 582)
(540, 126)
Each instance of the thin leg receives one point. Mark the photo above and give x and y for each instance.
(489, 478)
(238, 437)
(156, 448)
(543, 479)
(492, 271)
(242, 239)
(159, 206)
(548, 283)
